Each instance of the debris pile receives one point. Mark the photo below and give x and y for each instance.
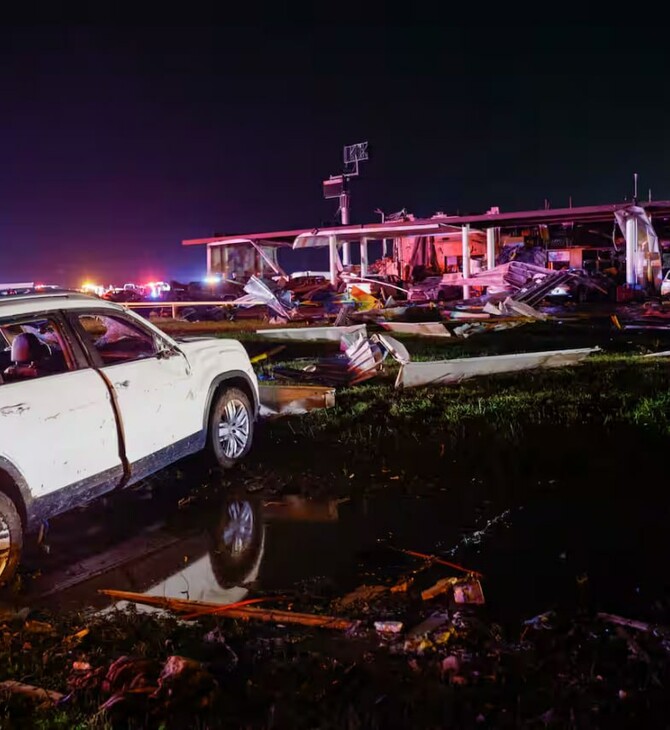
(423, 644)
(364, 299)
(361, 358)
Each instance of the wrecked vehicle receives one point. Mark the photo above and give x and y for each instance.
(136, 399)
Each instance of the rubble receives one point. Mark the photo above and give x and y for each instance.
(257, 292)
(287, 400)
(360, 360)
(43, 697)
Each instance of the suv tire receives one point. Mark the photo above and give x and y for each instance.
(231, 427)
(11, 539)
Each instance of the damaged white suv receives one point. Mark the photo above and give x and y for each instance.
(94, 398)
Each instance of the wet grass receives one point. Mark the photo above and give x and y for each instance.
(607, 389)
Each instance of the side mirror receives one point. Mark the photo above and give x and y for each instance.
(167, 352)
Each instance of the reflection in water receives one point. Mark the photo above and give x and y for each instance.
(217, 561)
(234, 545)
(219, 552)
(238, 533)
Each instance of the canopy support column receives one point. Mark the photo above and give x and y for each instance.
(346, 253)
(332, 253)
(364, 256)
(490, 248)
(465, 237)
(631, 250)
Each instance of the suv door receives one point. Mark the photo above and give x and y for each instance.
(57, 422)
(153, 388)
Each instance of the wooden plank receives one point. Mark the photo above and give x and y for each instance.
(259, 614)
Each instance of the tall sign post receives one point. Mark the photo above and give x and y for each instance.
(337, 186)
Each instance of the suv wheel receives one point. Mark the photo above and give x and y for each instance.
(11, 539)
(231, 427)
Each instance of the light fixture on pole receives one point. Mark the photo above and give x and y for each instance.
(337, 185)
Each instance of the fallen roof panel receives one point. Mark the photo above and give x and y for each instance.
(312, 333)
(444, 372)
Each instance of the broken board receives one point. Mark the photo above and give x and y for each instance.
(427, 329)
(294, 399)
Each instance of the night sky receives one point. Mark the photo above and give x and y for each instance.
(119, 143)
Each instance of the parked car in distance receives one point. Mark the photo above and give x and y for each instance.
(94, 398)
(122, 294)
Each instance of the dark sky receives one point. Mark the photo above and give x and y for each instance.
(117, 143)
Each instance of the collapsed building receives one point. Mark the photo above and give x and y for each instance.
(623, 240)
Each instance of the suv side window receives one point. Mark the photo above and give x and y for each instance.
(116, 340)
(32, 348)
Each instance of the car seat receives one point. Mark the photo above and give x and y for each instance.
(29, 355)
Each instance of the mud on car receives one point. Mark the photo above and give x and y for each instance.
(94, 398)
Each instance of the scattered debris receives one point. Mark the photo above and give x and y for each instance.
(515, 306)
(184, 684)
(464, 590)
(266, 355)
(360, 360)
(435, 621)
(541, 622)
(38, 627)
(44, 697)
(442, 586)
(294, 399)
(257, 292)
(468, 591)
(621, 621)
(362, 594)
(388, 627)
(428, 329)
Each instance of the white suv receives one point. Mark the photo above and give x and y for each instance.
(94, 398)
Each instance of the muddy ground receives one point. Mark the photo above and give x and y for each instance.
(550, 485)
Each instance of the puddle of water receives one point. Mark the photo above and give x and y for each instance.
(226, 549)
